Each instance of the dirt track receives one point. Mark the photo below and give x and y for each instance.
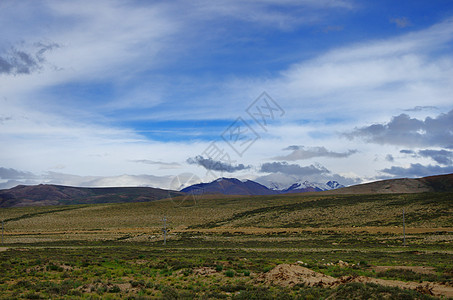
(256, 230)
(247, 230)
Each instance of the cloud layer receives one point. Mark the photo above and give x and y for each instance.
(417, 170)
(106, 88)
(403, 130)
(293, 169)
(301, 152)
(216, 165)
(17, 62)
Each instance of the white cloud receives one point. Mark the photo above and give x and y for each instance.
(127, 45)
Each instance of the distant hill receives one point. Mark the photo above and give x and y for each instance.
(229, 186)
(45, 194)
(439, 183)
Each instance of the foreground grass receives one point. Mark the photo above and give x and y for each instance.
(217, 246)
(141, 271)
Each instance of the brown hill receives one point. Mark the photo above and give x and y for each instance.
(439, 183)
(45, 194)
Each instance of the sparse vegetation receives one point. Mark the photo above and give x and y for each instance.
(219, 255)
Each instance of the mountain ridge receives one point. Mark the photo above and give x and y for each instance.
(49, 194)
(233, 186)
(436, 183)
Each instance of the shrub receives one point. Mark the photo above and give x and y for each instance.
(267, 269)
(231, 288)
(374, 291)
(229, 273)
(114, 289)
(170, 293)
(32, 296)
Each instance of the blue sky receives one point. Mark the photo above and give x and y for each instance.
(133, 93)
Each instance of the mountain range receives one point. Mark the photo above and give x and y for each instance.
(233, 186)
(47, 194)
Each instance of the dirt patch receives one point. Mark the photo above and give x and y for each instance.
(204, 271)
(292, 274)
(107, 287)
(416, 269)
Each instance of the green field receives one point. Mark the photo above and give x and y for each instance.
(219, 246)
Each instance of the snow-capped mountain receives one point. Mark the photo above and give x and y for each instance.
(306, 186)
(233, 186)
(332, 184)
(293, 184)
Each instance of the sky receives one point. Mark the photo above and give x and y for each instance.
(168, 93)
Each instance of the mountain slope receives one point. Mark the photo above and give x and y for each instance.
(229, 186)
(44, 194)
(439, 183)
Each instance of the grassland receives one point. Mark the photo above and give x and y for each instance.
(218, 246)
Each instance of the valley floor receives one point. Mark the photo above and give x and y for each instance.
(117, 251)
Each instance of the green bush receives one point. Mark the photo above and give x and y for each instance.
(32, 296)
(229, 273)
(231, 288)
(170, 293)
(267, 269)
(114, 289)
(357, 290)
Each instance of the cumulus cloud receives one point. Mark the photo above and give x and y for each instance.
(215, 165)
(443, 157)
(293, 169)
(301, 152)
(16, 62)
(389, 157)
(407, 131)
(417, 170)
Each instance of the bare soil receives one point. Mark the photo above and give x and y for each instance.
(292, 274)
